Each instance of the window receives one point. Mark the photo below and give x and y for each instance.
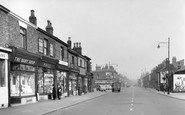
(23, 37)
(73, 61)
(40, 45)
(2, 73)
(45, 46)
(51, 49)
(80, 63)
(61, 53)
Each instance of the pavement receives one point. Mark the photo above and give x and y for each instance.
(180, 96)
(48, 106)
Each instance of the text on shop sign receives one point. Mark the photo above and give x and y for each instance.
(23, 60)
(3, 55)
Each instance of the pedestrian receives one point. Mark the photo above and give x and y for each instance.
(59, 90)
(54, 92)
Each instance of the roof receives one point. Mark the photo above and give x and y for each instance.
(55, 38)
(4, 9)
(87, 57)
(73, 52)
(181, 70)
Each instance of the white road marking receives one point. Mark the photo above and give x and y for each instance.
(131, 109)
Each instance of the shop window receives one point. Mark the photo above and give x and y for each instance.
(51, 49)
(14, 82)
(23, 39)
(40, 80)
(48, 80)
(40, 45)
(2, 73)
(22, 83)
(27, 86)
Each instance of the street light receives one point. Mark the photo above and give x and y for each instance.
(167, 79)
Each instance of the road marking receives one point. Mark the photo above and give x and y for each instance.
(131, 104)
(131, 109)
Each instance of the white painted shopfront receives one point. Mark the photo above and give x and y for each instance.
(3, 80)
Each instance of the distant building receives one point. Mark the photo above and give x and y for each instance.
(104, 75)
(177, 64)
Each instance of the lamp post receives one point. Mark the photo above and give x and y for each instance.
(168, 66)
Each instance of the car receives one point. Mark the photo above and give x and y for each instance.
(102, 88)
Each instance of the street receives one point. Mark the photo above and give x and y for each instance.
(130, 101)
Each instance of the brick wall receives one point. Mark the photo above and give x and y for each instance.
(57, 51)
(14, 32)
(32, 40)
(3, 28)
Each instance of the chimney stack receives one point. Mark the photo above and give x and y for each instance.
(49, 27)
(32, 18)
(69, 41)
(77, 47)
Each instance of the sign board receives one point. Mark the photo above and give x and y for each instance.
(3, 55)
(179, 82)
(63, 63)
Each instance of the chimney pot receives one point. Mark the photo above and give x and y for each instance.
(77, 44)
(69, 41)
(32, 18)
(49, 28)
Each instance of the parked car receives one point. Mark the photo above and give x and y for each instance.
(102, 87)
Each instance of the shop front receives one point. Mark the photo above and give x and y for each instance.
(81, 81)
(72, 83)
(22, 78)
(46, 78)
(62, 78)
(4, 98)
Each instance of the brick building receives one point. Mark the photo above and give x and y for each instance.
(35, 63)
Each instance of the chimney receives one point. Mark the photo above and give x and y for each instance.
(49, 28)
(69, 41)
(77, 48)
(32, 18)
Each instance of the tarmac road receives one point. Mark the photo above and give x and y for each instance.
(130, 101)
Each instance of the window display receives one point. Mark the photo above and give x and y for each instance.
(22, 83)
(45, 80)
(61, 79)
(40, 81)
(48, 82)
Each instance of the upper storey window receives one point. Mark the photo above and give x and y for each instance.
(23, 37)
(45, 47)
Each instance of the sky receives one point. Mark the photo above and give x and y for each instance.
(120, 32)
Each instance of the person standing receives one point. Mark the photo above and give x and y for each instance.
(59, 90)
(54, 92)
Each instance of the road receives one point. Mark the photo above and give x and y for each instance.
(130, 101)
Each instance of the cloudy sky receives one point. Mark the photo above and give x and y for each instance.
(123, 32)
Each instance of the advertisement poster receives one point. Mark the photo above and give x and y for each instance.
(179, 82)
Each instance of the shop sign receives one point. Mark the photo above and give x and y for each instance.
(63, 63)
(47, 65)
(23, 60)
(3, 55)
(82, 71)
